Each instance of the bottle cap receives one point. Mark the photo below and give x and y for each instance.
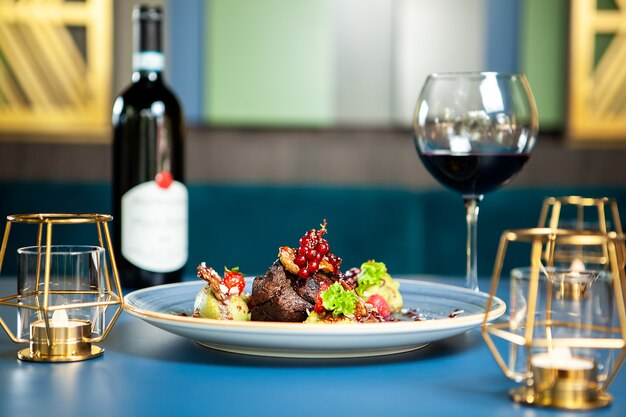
(147, 28)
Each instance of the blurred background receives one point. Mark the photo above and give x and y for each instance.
(300, 110)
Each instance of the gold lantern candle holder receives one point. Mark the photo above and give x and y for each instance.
(581, 213)
(564, 338)
(69, 296)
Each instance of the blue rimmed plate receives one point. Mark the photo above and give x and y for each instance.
(160, 306)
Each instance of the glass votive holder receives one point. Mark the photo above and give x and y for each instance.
(76, 289)
(569, 305)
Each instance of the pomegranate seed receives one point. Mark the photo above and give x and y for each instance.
(322, 248)
(300, 260)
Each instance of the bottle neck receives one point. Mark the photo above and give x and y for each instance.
(148, 64)
(148, 59)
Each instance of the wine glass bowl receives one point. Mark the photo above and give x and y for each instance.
(473, 132)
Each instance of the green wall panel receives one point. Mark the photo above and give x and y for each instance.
(544, 57)
(269, 63)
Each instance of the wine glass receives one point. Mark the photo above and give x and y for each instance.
(474, 131)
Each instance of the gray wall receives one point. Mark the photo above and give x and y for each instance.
(341, 157)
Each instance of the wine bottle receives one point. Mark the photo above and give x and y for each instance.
(150, 200)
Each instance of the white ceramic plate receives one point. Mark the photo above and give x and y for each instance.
(434, 302)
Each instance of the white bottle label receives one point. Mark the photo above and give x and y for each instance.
(155, 226)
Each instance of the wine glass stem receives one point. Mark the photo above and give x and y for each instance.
(471, 207)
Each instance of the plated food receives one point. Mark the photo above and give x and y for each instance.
(268, 321)
(305, 284)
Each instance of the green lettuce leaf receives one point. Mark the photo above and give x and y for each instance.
(339, 300)
(372, 274)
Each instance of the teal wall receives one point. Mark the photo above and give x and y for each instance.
(412, 232)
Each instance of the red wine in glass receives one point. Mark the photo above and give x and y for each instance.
(473, 132)
(473, 174)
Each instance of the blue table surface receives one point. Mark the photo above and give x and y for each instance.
(148, 372)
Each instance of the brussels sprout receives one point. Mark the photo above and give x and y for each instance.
(207, 306)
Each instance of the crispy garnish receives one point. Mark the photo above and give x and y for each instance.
(213, 279)
(327, 266)
(287, 255)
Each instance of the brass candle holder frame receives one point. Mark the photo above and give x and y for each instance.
(559, 388)
(50, 343)
(604, 208)
(553, 205)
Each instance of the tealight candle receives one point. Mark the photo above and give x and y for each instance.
(561, 362)
(563, 380)
(60, 320)
(64, 340)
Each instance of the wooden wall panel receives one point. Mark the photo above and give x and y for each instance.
(55, 68)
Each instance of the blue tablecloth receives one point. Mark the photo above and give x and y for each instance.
(148, 372)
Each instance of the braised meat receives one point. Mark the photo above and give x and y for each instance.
(279, 295)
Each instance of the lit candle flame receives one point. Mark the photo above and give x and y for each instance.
(577, 266)
(60, 317)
